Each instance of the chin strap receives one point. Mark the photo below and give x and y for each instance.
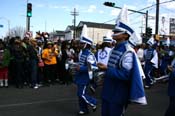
(85, 46)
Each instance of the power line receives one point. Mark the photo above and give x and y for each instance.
(74, 13)
(155, 5)
(110, 20)
(134, 23)
(168, 10)
(143, 9)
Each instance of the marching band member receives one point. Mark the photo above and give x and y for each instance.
(103, 55)
(84, 74)
(123, 79)
(151, 61)
(171, 88)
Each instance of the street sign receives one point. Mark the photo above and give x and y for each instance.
(29, 34)
(1, 26)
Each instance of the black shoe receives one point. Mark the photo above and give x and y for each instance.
(19, 86)
(147, 87)
(94, 108)
(82, 113)
(92, 89)
(62, 83)
(6, 86)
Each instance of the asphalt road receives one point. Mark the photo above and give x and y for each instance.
(61, 100)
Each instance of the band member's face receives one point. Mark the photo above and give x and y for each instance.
(82, 45)
(120, 36)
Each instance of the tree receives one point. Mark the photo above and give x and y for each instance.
(17, 31)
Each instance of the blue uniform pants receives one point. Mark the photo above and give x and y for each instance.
(148, 74)
(85, 99)
(171, 108)
(112, 109)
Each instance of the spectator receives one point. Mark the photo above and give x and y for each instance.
(49, 56)
(4, 63)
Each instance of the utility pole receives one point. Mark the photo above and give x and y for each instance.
(28, 24)
(74, 13)
(157, 17)
(146, 24)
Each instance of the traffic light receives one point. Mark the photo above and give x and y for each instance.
(111, 4)
(29, 9)
(148, 32)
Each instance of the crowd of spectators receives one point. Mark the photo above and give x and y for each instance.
(36, 62)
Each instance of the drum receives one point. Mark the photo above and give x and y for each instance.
(72, 68)
(99, 77)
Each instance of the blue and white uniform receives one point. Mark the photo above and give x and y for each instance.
(171, 86)
(171, 92)
(123, 81)
(166, 59)
(82, 80)
(149, 55)
(103, 55)
(87, 62)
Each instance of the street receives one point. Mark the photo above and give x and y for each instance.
(61, 100)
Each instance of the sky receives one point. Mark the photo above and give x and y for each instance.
(52, 15)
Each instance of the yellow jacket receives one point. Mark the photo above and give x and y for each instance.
(49, 56)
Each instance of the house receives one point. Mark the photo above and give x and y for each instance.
(96, 31)
(57, 35)
(69, 32)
